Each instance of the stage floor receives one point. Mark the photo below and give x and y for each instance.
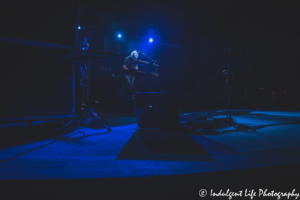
(134, 163)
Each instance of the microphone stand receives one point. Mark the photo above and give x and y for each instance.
(151, 61)
(230, 119)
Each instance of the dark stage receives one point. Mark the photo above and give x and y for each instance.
(134, 163)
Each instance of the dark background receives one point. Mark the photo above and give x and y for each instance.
(35, 82)
(234, 20)
(43, 21)
(191, 40)
(203, 31)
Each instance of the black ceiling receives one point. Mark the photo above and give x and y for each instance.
(230, 20)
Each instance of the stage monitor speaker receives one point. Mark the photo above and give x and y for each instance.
(157, 109)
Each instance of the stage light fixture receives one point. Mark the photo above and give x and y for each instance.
(79, 28)
(150, 40)
(119, 35)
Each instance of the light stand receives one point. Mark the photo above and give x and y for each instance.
(87, 115)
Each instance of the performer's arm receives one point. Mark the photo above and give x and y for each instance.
(136, 67)
(126, 64)
(125, 67)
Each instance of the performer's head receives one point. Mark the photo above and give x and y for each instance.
(134, 54)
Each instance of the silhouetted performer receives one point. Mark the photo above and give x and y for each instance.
(129, 70)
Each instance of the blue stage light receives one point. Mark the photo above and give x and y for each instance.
(150, 40)
(119, 35)
(78, 27)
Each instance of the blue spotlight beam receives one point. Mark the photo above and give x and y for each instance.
(168, 45)
(160, 42)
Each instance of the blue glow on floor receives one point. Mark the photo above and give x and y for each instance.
(124, 152)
